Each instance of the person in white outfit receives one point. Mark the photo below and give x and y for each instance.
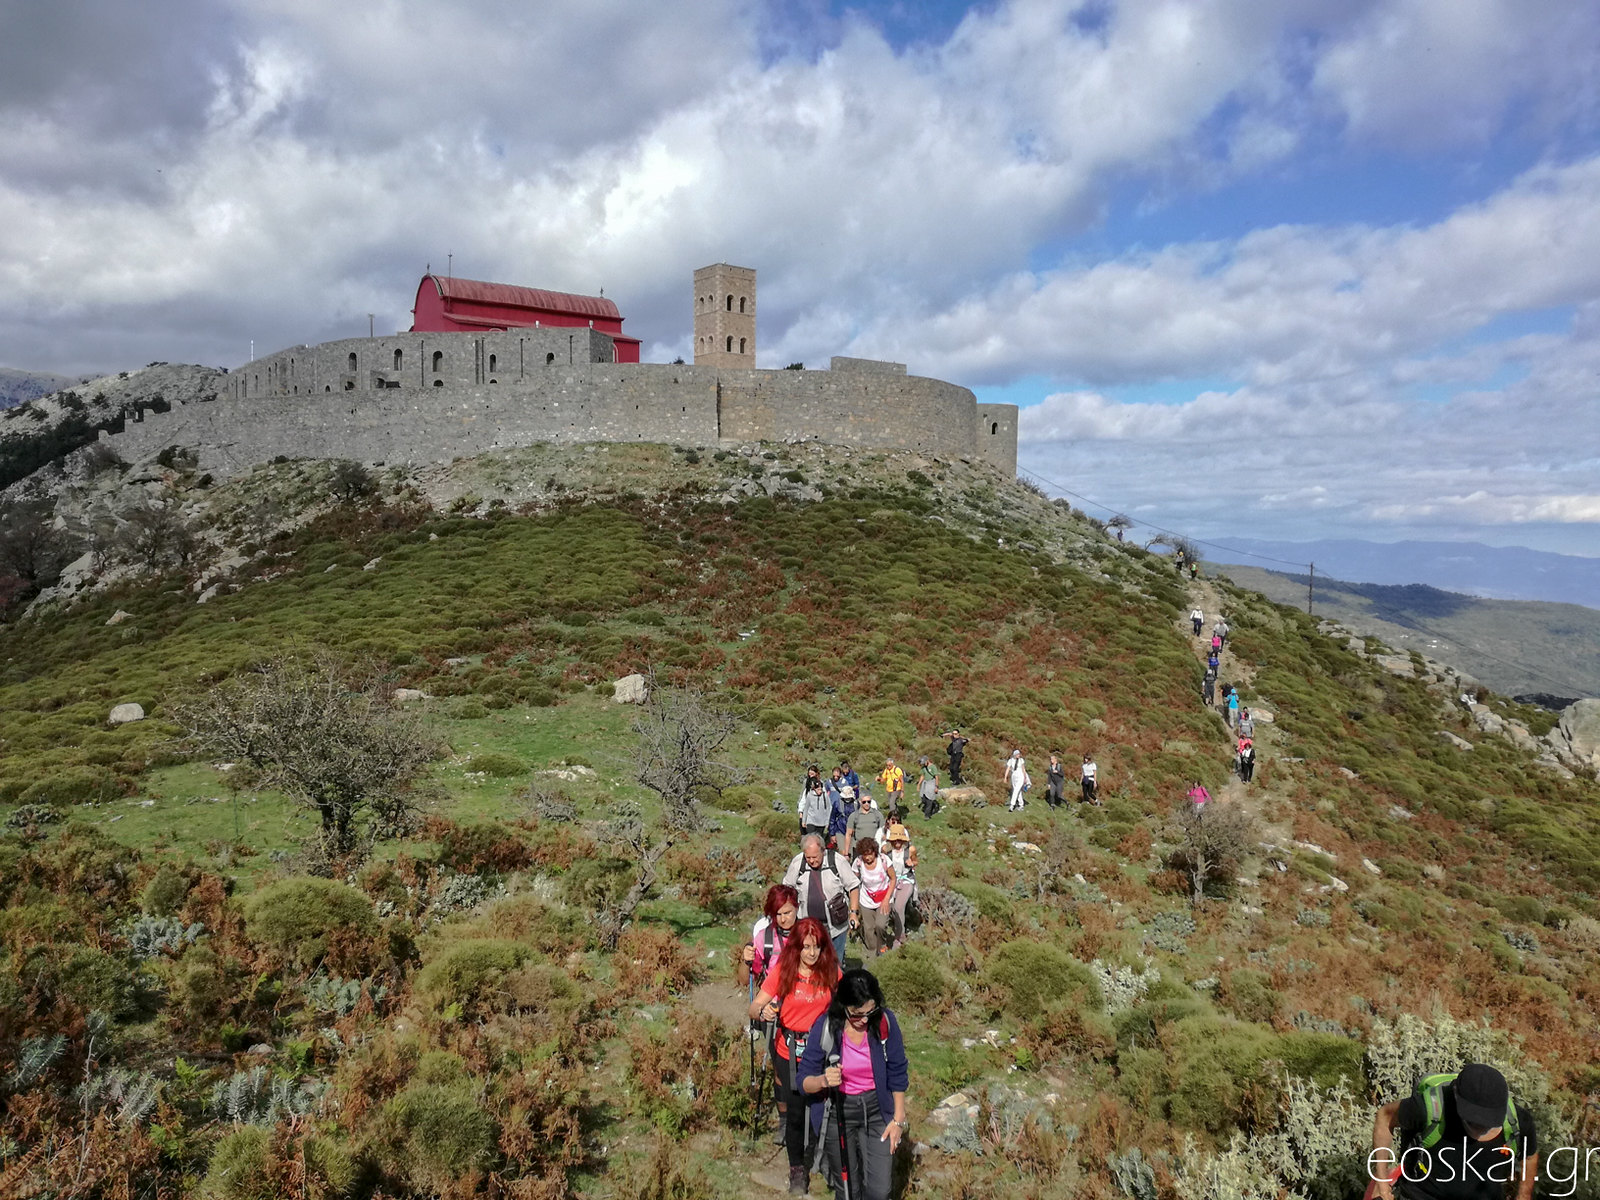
(1017, 777)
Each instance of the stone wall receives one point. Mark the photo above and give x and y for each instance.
(485, 404)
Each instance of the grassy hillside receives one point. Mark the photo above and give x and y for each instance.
(1513, 646)
(441, 1020)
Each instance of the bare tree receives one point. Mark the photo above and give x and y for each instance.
(350, 482)
(1212, 840)
(31, 547)
(1120, 521)
(153, 536)
(679, 734)
(329, 737)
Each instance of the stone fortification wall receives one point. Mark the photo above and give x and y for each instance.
(485, 404)
(420, 360)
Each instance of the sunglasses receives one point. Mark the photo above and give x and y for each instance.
(862, 1018)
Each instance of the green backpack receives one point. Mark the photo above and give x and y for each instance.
(1430, 1093)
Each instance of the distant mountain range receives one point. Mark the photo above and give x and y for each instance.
(18, 387)
(1502, 573)
(1516, 647)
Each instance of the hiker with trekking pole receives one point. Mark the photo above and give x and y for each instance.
(759, 957)
(795, 995)
(854, 1068)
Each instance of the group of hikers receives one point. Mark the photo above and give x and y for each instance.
(1237, 717)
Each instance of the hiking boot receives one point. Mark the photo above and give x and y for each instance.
(798, 1181)
(781, 1137)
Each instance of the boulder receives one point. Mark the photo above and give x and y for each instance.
(408, 695)
(965, 796)
(1578, 732)
(1261, 715)
(118, 617)
(1458, 742)
(630, 689)
(1371, 867)
(1486, 719)
(123, 714)
(1396, 664)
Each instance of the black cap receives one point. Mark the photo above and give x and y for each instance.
(1481, 1095)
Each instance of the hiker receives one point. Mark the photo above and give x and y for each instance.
(1233, 706)
(1194, 569)
(1090, 781)
(1055, 783)
(767, 936)
(894, 787)
(1208, 687)
(815, 808)
(1247, 760)
(849, 778)
(795, 994)
(1465, 1138)
(855, 1068)
(1213, 661)
(867, 821)
(1178, 561)
(842, 807)
(928, 788)
(827, 887)
(1216, 642)
(956, 748)
(1198, 618)
(1198, 795)
(877, 892)
(1017, 779)
(1247, 725)
(1221, 630)
(902, 857)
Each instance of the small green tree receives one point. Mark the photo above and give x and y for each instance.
(325, 735)
(1212, 839)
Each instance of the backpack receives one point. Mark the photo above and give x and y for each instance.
(1430, 1094)
(839, 904)
(768, 936)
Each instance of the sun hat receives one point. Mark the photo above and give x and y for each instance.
(897, 833)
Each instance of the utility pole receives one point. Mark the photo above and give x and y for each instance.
(450, 265)
(1311, 588)
(369, 325)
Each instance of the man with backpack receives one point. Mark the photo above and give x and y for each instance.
(1465, 1139)
(957, 748)
(828, 890)
(867, 821)
(1197, 618)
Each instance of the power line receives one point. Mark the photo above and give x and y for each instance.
(1288, 562)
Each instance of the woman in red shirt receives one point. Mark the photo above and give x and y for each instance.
(796, 993)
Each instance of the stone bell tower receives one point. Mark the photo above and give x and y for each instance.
(725, 316)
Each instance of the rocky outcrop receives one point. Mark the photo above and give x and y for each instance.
(1576, 737)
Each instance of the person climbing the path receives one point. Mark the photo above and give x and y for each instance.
(1216, 642)
(1016, 778)
(767, 936)
(894, 788)
(868, 821)
(903, 858)
(1197, 618)
(1465, 1139)
(1233, 706)
(928, 787)
(1247, 725)
(1090, 781)
(827, 887)
(1214, 661)
(855, 1069)
(795, 994)
(841, 808)
(1208, 687)
(1221, 630)
(877, 893)
(1194, 569)
(956, 749)
(1055, 782)
(815, 808)
(1198, 796)
(1178, 561)
(1247, 760)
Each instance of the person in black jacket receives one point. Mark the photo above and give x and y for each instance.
(957, 748)
(855, 1058)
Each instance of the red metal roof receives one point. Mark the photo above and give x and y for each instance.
(476, 291)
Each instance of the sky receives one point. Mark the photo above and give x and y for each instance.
(1288, 269)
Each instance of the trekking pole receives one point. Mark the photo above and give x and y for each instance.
(844, 1142)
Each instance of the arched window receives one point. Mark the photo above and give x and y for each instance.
(438, 383)
(438, 361)
(741, 345)
(730, 345)
(994, 428)
(730, 302)
(352, 362)
(492, 361)
(397, 359)
(549, 358)
(741, 303)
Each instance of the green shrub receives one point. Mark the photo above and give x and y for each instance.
(97, 982)
(1032, 974)
(498, 766)
(74, 785)
(963, 820)
(1249, 995)
(471, 974)
(166, 891)
(440, 1068)
(1323, 1058)
(483, 847)
(991, 902)
(596, 883)
(203, 989)
(438, 1135)
(780, 827)
(1218, 1073)
(241, 1166)
(1520, 908)
(301, 917)
(913, 979)
(552, 930)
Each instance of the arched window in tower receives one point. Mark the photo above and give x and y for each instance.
(741, 303)
(549, 358)
(492, 360)
(398, 357)
(741, 345)
(438, 361)
(730, 345)
(352, 362)
(730, 301)
(994, 428)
